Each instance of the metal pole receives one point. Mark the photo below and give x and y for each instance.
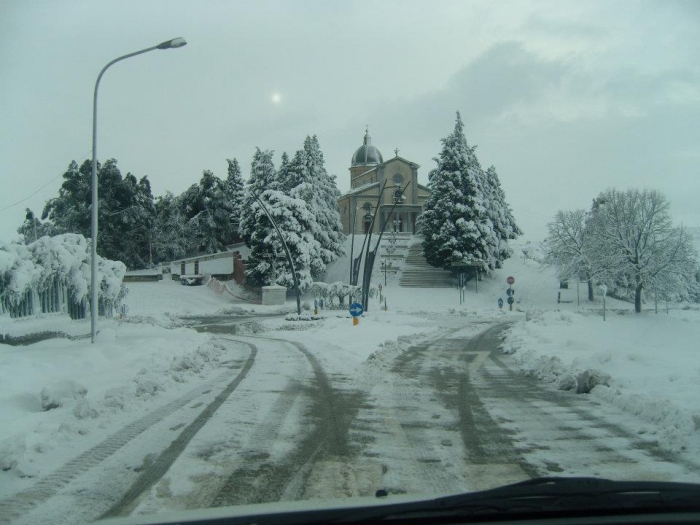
(365, 287)
(352, 244)
(603, 307)
(176, 42)
(368, 239)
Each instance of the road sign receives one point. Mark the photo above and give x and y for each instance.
(511, 300)
(356, 309)
(500, 302)
(510, 280)
(510, 292)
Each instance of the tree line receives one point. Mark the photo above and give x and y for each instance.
(140, 230)
(626, 241)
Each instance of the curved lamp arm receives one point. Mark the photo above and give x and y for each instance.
(168, 44)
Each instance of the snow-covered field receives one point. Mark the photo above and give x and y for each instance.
(649, 363)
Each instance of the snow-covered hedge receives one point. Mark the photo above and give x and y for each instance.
(53, 272)
(340, 291)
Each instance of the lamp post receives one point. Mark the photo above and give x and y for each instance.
(168, 44)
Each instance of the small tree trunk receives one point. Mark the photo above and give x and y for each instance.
(590, 289)
(638, 299)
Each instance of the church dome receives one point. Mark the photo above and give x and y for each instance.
(367, 154)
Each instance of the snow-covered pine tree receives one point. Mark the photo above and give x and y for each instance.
(267, 262)
(327, 216)
(501, 217)
(235, 192)
(295, 173)
(318, 189)
(283, 182)
(262, 177)
(209, 212)
(171, 240)
(454, 222)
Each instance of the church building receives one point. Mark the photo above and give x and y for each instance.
(368, 171)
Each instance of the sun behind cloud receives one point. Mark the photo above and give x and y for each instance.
(276, 98)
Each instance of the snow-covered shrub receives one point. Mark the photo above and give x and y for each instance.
(320, 290)
(339, 290)
(52, 271)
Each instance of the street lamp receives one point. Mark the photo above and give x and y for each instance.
(168, 44)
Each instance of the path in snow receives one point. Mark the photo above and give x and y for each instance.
(453, 416)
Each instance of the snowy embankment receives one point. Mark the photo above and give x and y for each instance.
(61, 397)
(647, 365)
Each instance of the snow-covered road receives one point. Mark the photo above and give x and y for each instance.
(445, 413)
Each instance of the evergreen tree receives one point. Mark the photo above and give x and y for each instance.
(455, 226)
(125, 213)
(70, 211)
(32, 228)
(306, 178)
(262, 177)
(284, 184)
(330, 228)
(501, 217)
(209, 212)
(235, 191)
(267, 263)
(171, 235)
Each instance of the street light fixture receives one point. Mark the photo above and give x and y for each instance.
(168, 44)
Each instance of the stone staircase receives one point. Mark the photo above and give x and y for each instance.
(417, 273)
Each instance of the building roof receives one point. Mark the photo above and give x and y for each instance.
(360, 189)
(366, 154)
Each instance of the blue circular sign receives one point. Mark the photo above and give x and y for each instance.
(356, 309)
(500, 302)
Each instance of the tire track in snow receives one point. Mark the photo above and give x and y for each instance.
(22, 502)
(164, 461)
(331, 414)
(566, 420)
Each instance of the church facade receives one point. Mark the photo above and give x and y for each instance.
(368, 173)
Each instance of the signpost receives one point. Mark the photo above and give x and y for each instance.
(510, 280)
(356, 311)
(604, 291)
(461, 267)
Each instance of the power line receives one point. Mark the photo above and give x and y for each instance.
(44, 186)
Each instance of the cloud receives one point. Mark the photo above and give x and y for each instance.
(558, 133)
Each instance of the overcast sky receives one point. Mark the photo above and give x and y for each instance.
(565, 98)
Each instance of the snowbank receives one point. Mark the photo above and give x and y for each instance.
(647, 365)
(60, 397)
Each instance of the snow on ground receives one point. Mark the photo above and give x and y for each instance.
(650, 363)
(98, 389)
(150, 359)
